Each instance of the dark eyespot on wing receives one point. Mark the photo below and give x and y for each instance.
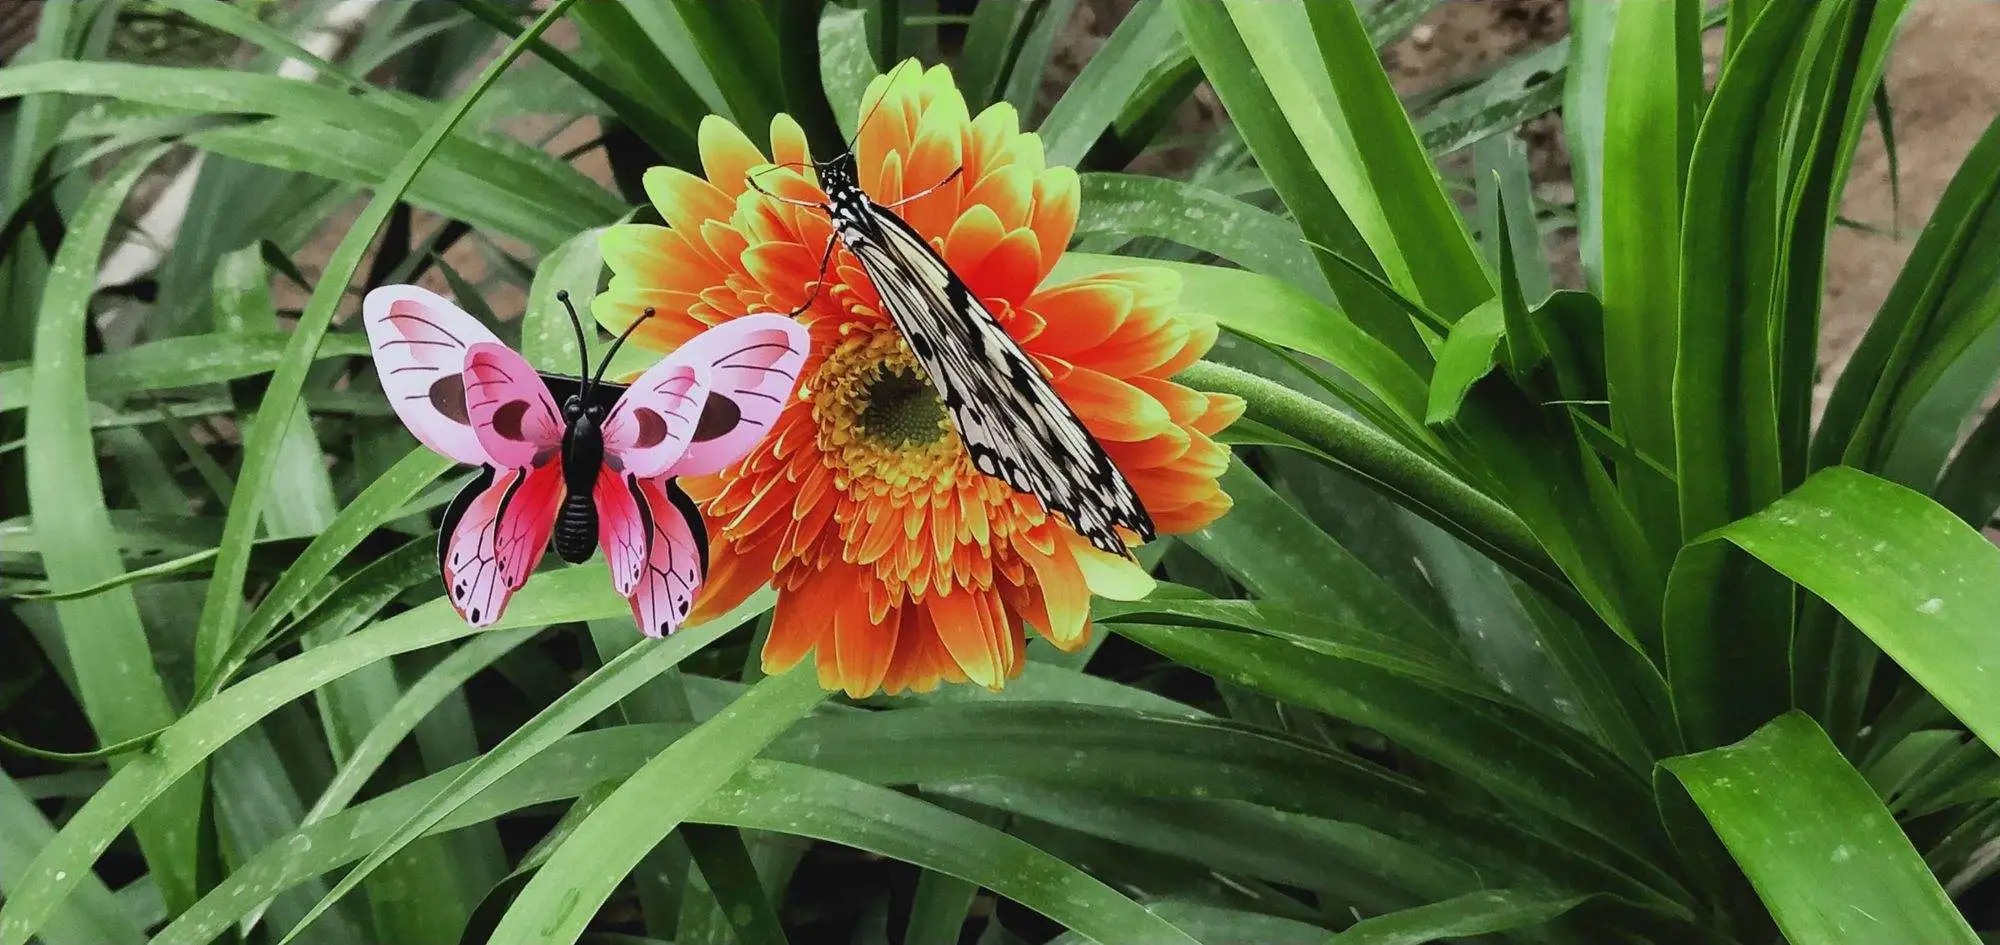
(652, 428)
(507, 420)
(447, 395)
(718, 416)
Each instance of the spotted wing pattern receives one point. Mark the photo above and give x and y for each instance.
(419, 342)
(652, 537)
(650, 426)
(1011, 420)
(512, 413)
(499, 538)
(751, 365)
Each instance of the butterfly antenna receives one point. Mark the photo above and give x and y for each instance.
(582, 346)
(627, 333)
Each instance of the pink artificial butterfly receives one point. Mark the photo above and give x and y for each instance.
(577, 460)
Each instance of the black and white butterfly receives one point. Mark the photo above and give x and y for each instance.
(1013, 423)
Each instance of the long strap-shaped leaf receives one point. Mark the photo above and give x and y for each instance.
(223, 607)
(561, 899)
(116, 682)
(1824, 854)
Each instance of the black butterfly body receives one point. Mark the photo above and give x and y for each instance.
(1013, 423)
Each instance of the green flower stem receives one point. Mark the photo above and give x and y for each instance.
(1404, 476)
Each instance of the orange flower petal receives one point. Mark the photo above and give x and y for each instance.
(686, 201)
(726, 155)
(1111, 408)
(1058, 196)
(974, 236)
(1223, 410)
(962, 626)
(800, 622)
(1010, 271)
(1063, 595)
(788, 141)
(1081, 315)
(858, 656)
(1193, 516)
(734, 572)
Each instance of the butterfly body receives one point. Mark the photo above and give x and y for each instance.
(596, 472)
(582, 460)
(1014, 425)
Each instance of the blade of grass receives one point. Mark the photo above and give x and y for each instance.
(562, 897)
(578, 593)
(1114, 73)
(116, 680)
(1652, 94)
(224, 604)
(1480, 913)
(579, 705)
(1281, 150)
(1258, 240)
(94, 916)
(180, 362)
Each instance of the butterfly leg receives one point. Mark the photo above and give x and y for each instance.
(752, 181)
(934, 188)
(820, 283)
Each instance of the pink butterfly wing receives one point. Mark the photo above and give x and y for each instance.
(648, 429)
(419, 342)
(647, 529)
(752, 365)
(512, 413)
(500, 539)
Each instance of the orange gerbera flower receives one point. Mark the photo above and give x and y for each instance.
(897, 562)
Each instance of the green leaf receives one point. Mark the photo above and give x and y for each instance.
(577, 706)
(1924, 586)
(477, 176)
(1281, 148)
(1263, 242)
(1132, 754)
(548, 338)
(1111, 77)
(1522, 88)
(845, 64)
(93, 916)
(1823, 853)
(223, 606)
(1924, 365)
(1405, 477)
(379, 503)
(1505, 749)
(1777, 136)
(563, 595)
(115, 678)
(740, 52)
(1280, 555)
(1652, 94)
(1023, 86)
(1480, 913)
(1420, 231)
(563, 896)
(1467, 355)
(1585, 103)
(181, 362)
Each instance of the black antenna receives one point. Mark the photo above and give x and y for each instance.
(627, 333)
(582, 347)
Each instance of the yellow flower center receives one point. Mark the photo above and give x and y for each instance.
(881, 419)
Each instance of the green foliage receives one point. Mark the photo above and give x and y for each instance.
(1542, 613)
